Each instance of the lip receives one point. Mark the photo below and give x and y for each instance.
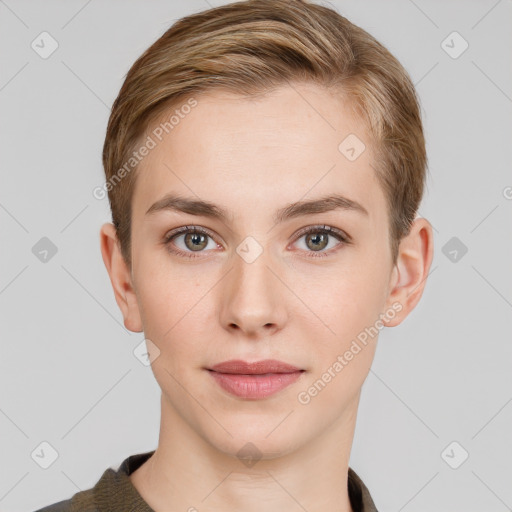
(254, 381)
(241, 367)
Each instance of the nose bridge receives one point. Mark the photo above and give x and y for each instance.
(253, 299)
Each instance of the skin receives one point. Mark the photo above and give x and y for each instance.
(252, 157)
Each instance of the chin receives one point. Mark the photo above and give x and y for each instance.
(251, 442)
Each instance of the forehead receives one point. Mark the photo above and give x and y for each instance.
(295, 141)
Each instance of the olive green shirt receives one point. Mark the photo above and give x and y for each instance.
(114, 492)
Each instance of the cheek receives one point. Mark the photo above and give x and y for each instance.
(344, 339)
(347, 303)
(346, 296)
(175, 309)
(165, 292)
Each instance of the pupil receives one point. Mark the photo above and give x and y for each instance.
(197, 240)
(318, 240)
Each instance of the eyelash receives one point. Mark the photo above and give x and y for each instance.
(323, 229)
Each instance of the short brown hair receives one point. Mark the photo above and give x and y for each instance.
(251, 47)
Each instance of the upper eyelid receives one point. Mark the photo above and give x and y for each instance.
(331, 230)
(183, 230)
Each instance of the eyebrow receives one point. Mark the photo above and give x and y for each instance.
(202, 208)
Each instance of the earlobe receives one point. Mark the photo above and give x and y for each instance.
(411, 270)
(120, 278)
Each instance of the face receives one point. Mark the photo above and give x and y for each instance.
(268, 279)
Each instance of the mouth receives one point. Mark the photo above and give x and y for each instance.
(254, 381)
(240, 367)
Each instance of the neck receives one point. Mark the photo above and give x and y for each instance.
(187, 472)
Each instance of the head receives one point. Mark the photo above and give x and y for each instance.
(254, 122)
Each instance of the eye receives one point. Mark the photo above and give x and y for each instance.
(187, 240)
(318, 238)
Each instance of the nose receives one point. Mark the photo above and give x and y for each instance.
(254, 297)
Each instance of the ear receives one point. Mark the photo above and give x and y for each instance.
(120, 277)
(410, 273)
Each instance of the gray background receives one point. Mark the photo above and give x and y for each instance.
(68, 375)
